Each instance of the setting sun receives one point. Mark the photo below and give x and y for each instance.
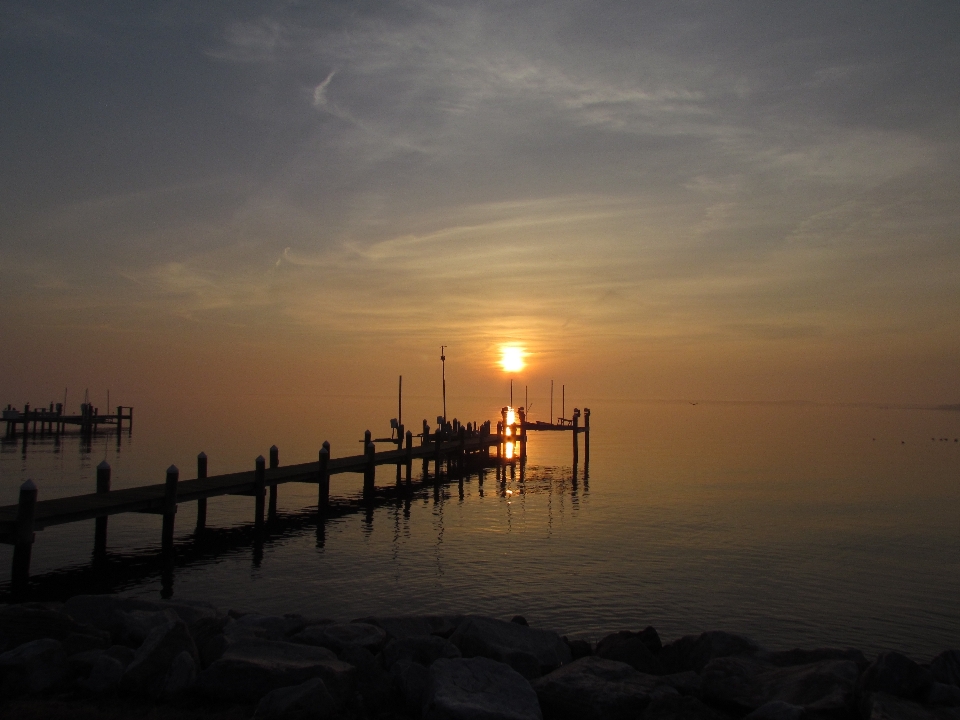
(511, 358)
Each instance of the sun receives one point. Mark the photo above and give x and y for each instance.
(511, 358)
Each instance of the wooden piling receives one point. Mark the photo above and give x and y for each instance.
(462, 451)
(586, 436)
(324, 480)
(274, 464)
(409, 441)
(522, 437)
(500, 448)
(202, 502)
(576, 445)
(259, 491)
(100, 530)
(23, 536)
(370, 471)
(169, 509)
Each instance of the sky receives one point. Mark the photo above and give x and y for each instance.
(655, 200)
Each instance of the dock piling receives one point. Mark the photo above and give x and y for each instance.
(522, 437)
(169, 508)
(202, 502)
(409, 441)
(259, 490)
(370, 471)
(274, 464)
(324, 479)
(586, 436)
(23, 537)
(576, 445)
(100, 530)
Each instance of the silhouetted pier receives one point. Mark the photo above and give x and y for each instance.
(54, 420)
(452, 449)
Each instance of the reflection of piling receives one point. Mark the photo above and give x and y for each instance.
(169, 509)
(202, 502)
(259, 491)
(324, 477)
(100, 528)
(23, 536)
(370, 470)
(274, 464)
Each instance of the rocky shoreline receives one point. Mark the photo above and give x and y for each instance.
(108, 656)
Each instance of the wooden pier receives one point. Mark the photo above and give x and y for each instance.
(54, 420)
(452, 449)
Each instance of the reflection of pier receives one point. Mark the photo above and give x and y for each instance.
(454, 450)
(54, 420)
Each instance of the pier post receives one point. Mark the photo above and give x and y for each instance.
(522, 438)
(324, 479)
(436, 455)
(169, 509)
(23, 536)
(400, 464)
(409, 441)
(499, 442)
(462, 453)
(26, 420)
(202, 502)
(119, 418)
(274, 464)
(576, 430)
(370, 472)
(259, 490)
(586, 436)
(100, 530)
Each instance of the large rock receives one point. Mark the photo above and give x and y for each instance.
(412, 625)
(693, 652)
(945, 667)
(883, 706)
(147, 674)
(777, 710)
(129, 620)
(308, 701)
(478, 689)
(181, 676)
(410, 680)
(33, 667)
(943, 694)
(530, 651)
(265, 627)
(678, 707)
(423, 649)
(250, 669)
(744, 685)
(340, 636)
(20, 624)
(594, 688)
(895, 674)
(637, 649)
(104, 676)
(783, 658)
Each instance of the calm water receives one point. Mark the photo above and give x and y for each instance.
(798, 525)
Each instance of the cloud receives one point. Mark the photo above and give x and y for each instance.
(319, 92)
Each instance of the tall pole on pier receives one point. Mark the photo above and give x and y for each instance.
(400, 402)
(443, 371)
(551, 401)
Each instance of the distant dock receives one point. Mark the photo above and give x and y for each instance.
(453, 449)
(54, 420)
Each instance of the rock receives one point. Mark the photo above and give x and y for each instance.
(209, 638)
(594, 688)
(121, 653)
(266, 627)
(20, 624)
(633, 648)
(685, 683)
(945, 667)
(693, 652)
(308, 701)
(423, 649)
(104, 677)
(249, 669)
(796, 656)
(943, 694)
(895, 674)
(147, 674)
(128, 620)
(531, 651)
(777, 710)
(402, 627)
(478, 689)
(339, 636)
(33, 667)
(677, 707)
(883, 706)
(410, 679)
(743, 685)
(181, 677)
(520, 620)
(578, 648)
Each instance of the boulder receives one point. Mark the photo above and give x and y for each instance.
(181, 676)
(127, 619)
(33, 667)
(249, 669)
(308, 701)
(409, 626)
(339, 636)
(945, 667)
(883, 706)
(20, 624)
(943, 694)
(410, 680)
(121, 653)
(693, 652)
(895, 674)
(266, 627)
(784, 658)
(594, 688)
(104, 676)
(578, 648)
(209, 638)
(478, 689)
(531, 651)
(634, 649)
(678, 707)
(685, 683)
(147, 674)
(777, 710)
(743, 685)
(423, 649)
